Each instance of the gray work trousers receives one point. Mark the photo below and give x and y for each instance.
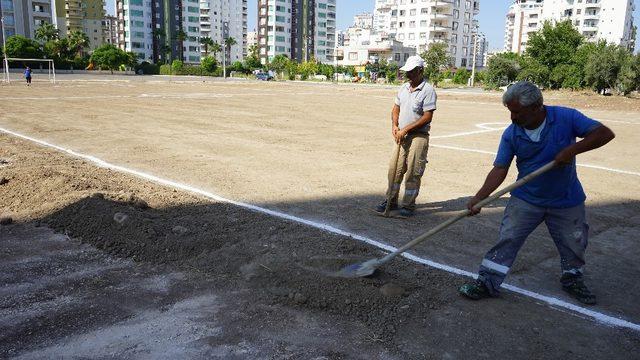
(568, 229)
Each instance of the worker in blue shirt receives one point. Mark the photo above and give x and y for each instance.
(539, 134)
(27, 75)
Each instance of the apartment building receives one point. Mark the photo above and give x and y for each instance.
(83, 15)
(420, 23)
(524, 17)
(365, 45)
(110, 30)
(24, 17)
(299, 29)
(220, 20)
(610, 20)
(135, 24)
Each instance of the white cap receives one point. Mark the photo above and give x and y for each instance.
(412, 63)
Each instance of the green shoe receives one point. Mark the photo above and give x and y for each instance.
(475, 290)
(579, 291)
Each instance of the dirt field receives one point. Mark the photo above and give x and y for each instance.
(101, 263)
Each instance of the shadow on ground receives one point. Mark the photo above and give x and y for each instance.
(260, 265)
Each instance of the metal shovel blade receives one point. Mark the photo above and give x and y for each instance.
(364, 269)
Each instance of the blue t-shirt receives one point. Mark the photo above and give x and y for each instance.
(558, 187)
(27, 73)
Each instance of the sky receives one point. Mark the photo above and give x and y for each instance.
(491, 17)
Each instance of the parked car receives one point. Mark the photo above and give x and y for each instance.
(264, 76)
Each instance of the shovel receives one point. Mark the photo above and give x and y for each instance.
(369, 267)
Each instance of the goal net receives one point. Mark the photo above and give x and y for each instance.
(41, 69)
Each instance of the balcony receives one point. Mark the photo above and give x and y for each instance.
(439, 28)
(442, 4)
(441, 16)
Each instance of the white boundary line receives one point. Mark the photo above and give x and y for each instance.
(597, 316)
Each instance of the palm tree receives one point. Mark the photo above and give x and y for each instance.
(46, 32)
(181, 36)
(229, 42)
(206, 42)
(78, 40)
(215, 49)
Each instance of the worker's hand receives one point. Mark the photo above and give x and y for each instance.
(394, 131)
(470, 205)
(565, 157)
(399, 136)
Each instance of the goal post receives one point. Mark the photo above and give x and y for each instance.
(19, 64)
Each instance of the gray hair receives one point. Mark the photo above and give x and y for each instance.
(525, 92)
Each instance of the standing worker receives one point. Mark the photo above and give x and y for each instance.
(539, 134)
(27, 75)
(410, 123)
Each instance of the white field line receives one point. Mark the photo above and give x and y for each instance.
(597, 316)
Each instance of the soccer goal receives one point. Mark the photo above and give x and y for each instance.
(13, 69)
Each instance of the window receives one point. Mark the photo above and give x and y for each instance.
(463, 63)
(412, 36)
(412, 12)
(423, 23)
(454, 25)
(353, 56)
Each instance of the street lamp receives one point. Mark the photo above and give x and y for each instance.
(473, 61)
(4, 49)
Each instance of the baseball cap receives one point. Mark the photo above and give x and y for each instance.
(412, 63)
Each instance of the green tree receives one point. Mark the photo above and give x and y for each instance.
(279, 63)
(47, 32)
(109, 57)
(228, 43)
(209, 64)
(554, 44)
(252, 60)
(461, 76)
(78, 41)
(502, 69)
(533, 70)
(181, 36)
(436, 59)
(206, 42)
(19, 46)
(629, 75)
(215, 49)
(603, 67)
(308, 68)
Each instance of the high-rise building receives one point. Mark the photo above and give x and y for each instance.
(298, 29)
(363, 21)
(220, 20)
(610, 20)
(24, 17)
(135, 24)
(419, 24)
(110, 30)
(83, 15)
(524, 17)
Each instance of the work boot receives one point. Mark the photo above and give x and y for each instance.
(474, 290)
(405, 213)
(579, 291)
(383, 206)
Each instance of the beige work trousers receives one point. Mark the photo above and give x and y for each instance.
(412, 161)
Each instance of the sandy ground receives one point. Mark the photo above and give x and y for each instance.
(236, 282)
